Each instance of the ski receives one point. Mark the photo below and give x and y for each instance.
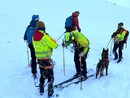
(75, 82)
(66, 81)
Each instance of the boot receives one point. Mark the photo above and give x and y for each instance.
(115, 58)
(50, 89)
(41, 88)
(34, 75)
(119, 61)
(76, 75)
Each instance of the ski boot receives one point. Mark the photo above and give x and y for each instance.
(41, 89)
(50, 89)
(119, 61)
(34, 75)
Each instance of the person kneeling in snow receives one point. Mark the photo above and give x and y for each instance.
(44, 45)
(81, 47)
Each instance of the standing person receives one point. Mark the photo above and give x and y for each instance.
(72, 22)
(44, 45)
(81, 47)
(28, 38)
(119, 37)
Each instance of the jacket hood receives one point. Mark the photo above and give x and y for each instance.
(74, 14)
(37, 35)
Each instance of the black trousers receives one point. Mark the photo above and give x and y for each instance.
(46, 73)
(119, 47)
(33, 59)
(79, 68)
(49, 75)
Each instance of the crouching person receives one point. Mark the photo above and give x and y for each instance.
(81, 48)
(44, 45)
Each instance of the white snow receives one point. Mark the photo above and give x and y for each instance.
(98, 20)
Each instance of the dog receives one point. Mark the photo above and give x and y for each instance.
(102, 64)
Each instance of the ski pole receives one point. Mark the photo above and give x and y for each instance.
(125, 45)
(60, 37)
(63, 58)
(111, 48)
(108, 43)
(70, 49)
(80, 73)
(27, 53)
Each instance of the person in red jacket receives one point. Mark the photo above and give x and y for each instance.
(75, 22)
(72, 22)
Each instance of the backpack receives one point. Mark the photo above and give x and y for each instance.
(29, 33)
(68, 22)
(126, 36)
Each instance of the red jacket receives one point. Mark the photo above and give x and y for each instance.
(75, 23)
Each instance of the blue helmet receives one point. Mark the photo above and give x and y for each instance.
(35, 17)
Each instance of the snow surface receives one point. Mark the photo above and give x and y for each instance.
(98, 20)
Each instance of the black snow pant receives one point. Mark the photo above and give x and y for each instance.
(33, 59)
(46, 73)
(118, 46)
(79, 68)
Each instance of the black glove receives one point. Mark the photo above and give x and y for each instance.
(124, 41)
(63, 44)
(114, 34)
(79, 30)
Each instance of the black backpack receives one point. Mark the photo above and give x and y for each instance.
(126, 36)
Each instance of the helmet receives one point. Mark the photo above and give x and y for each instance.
(120, 24)
(35, 17)
(77, 12)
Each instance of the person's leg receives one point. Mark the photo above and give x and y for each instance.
(114, 51)
(50, 81)
(42, 79)
(77, 63)
(120, 52)
(33, 59)
(84, 65)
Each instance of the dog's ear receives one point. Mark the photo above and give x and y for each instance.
(103, 49)
(107, 49)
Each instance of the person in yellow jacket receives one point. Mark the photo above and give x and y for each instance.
(81, 47)
(44, 45)
(119, 37)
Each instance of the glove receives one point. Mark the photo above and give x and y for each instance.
(63, 44)
(81, 54)
(79, 30)
(114, 34)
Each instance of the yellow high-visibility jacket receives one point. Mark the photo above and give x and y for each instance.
(43, 45)
(80, 40)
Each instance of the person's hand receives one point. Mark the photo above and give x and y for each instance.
(63, 44)
(113, 35)
(79, 30)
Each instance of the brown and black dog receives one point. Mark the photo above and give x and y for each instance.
(103, 63)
